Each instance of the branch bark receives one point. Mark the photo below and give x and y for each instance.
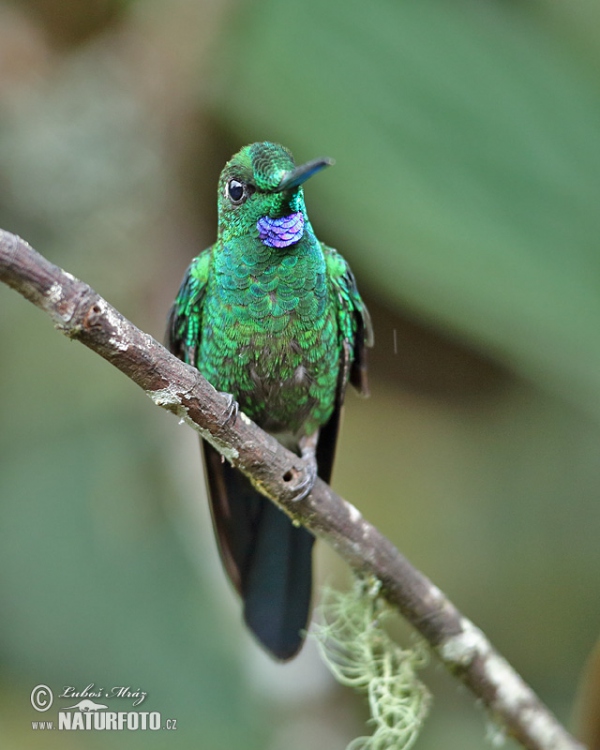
(80, 313)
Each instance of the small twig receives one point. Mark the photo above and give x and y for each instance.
(81, 314)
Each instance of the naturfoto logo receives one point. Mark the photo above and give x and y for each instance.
(88, 713)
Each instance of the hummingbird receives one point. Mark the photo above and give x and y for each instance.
(271, 316)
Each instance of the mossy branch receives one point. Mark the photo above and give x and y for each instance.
(80, 313)
(357, 649)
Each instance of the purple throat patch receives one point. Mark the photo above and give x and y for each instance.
(281, 232)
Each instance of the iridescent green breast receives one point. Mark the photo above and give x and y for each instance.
(270, 333)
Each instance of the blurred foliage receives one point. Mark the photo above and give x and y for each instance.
(70, 22)
(467, 145)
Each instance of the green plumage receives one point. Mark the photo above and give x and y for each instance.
(272, 316)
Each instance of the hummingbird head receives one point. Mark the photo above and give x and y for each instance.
(260, 194)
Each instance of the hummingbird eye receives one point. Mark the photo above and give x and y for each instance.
(236, 191)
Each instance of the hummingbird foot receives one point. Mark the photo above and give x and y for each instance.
(231, 409)
(308, 451)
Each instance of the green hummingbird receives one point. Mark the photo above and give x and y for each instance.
(271, 316)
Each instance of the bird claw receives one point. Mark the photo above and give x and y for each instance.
(308, 472)
(303, 489)
(231, 410)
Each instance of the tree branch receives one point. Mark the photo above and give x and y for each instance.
(81, 314)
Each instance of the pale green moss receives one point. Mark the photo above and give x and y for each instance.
(360, 654)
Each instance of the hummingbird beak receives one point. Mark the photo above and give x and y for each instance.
(296, 177)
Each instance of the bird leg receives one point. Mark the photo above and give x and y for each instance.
(308, 451)
(231, 410)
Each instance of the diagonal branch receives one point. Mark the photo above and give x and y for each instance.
(81, 314)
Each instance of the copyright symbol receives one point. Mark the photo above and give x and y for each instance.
(41, 697)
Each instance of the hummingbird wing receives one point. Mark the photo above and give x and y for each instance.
(356, 331)
(184, 324)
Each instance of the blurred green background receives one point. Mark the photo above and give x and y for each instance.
(465, 196)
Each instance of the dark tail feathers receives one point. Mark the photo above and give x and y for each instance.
(267, 558)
